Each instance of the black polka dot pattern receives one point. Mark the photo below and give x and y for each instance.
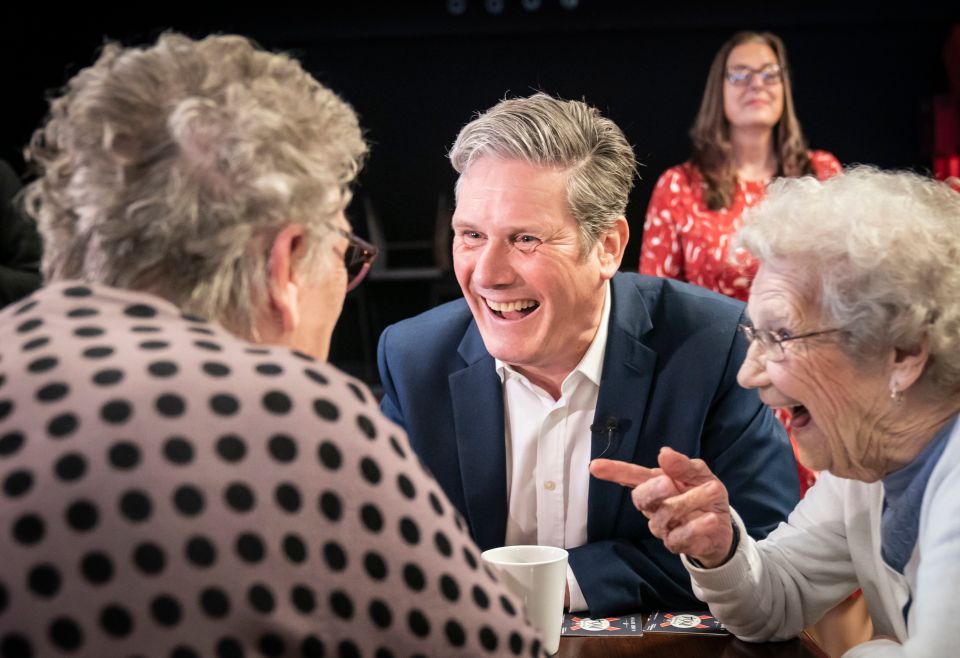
(375, 566)
(15, 645)
(36, 344)
(282, 448)
(62, 425)
(178, 450)
(214, 602)
(231, 448)
(303, 599)
(200, 552)
(171, 405)
(97, 568)
(124, 455)
(380, 613)
(288, 498)
(136, 506)
(65, 634)
(163, 368)
(261, 598)
(116, 621)
(17, 483)
(216, 369)
(44, 580)
(166, 610)
(250, 548)
(335, 556)
(277, 402)
(107, 377)
(188, 500)
(116, 411)
(43, 364)
(294, 549)
(149, 559)
(240, 497)
(144, 454)
(10, 443)
(82, 516)
(224, 404)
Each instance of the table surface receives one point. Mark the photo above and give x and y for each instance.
(675, 645)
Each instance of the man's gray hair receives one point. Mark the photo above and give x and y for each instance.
(568, 135)
(883, 252)
(171, 168)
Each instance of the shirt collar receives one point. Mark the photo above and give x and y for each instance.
(591, 365)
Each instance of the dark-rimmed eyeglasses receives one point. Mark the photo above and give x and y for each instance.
(771, 343)
(740, 76)
(357, 258)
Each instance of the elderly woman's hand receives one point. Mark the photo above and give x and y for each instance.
(686, 504)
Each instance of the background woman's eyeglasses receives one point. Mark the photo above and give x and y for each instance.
(742, 75)
(771, 343)
(357, 258)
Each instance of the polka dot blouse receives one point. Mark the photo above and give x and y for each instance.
(169, 490)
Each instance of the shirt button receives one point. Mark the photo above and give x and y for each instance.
(549, 485)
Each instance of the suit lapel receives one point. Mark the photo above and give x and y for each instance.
(625, 384)
(478, 427)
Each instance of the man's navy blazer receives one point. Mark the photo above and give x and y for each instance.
(669, 378)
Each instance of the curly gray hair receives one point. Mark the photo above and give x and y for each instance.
(570, 135)
(885, 247)
(171, 168)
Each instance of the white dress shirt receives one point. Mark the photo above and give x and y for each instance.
(548, 453)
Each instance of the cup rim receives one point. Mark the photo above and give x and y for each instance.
(558, 554)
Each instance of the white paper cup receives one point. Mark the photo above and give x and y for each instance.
(538, 576)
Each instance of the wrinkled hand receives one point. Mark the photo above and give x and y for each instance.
(687, 506)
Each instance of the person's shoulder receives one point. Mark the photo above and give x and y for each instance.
(445, 322)
(678, 176)
(825, 164)
(672, 311)
(947, 469)
(662, 291)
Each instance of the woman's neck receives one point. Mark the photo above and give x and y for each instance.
(753, 153)
(915, 431)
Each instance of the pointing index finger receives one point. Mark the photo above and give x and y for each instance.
(629, 475)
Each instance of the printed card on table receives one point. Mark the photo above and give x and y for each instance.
(575, 625)
(700, 623)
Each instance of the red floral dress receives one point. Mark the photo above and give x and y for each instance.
(683, 239)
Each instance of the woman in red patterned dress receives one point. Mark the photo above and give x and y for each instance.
(745, 134)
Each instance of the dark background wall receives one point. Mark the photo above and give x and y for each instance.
(864, 78)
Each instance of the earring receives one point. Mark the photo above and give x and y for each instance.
(896, 395)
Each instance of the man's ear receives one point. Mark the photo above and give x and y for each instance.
(284, 291)
(612, 244)
(908, 365)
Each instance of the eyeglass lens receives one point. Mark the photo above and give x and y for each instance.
(742, 75)
(770, 347)
(357, 258)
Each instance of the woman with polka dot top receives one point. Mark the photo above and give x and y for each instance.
(181, 474)
(745, 134)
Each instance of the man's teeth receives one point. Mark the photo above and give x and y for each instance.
(506, 307)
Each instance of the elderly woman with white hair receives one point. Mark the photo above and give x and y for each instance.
(856, 329)
(181, 473)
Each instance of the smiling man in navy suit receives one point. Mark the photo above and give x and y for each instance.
(553, 358)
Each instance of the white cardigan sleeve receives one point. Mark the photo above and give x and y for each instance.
(773, 589)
